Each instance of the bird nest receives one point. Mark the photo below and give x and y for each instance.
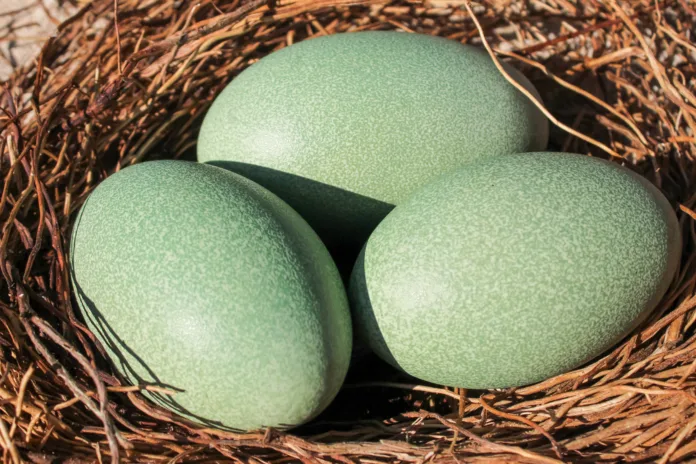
(129, 80)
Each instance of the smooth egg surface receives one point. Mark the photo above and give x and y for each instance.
(196, 279)
(514, 269)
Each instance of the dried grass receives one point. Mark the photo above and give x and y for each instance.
(107, 92)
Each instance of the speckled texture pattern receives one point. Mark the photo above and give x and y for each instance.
(195, 277)
(344, 127)
(514, 269)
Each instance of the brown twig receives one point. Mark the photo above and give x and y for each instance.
(531, 97)
(118, 38)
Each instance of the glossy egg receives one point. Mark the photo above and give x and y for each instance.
(344, 127)
(197, 279)
(514, 269)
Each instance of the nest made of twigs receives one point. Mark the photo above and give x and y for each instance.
(129, 80)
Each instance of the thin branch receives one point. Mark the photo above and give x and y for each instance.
(529, 95)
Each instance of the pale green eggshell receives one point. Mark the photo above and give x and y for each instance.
(514, 269)
(194, 277)
(344, 127)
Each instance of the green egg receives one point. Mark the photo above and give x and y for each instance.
(514, 269)
(196, 278)
(344, 127)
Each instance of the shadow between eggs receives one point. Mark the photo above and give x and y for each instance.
(364, 320)
(343, 220)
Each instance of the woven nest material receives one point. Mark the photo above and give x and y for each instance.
(128, 81)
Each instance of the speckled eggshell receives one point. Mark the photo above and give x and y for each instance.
(196, 278)
(514, 269)
(344, 127)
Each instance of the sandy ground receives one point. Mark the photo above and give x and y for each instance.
(24, 26)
